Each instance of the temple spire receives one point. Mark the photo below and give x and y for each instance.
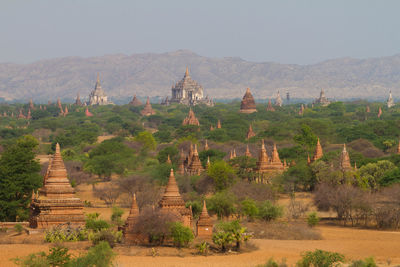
(318, 151)
(248, 154)
(187, 72)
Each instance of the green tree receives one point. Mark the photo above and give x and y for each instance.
(181, 235)
(306, 138)
(238, 232)
(269, 211)
(249, 208)
(222, 174)
(222, 204)
(374, 173)
(320, 258)
(19, 176)
(147, 140)
(312, 219)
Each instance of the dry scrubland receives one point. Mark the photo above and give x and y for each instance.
(353, 243)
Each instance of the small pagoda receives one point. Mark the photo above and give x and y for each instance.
(318, 152)
(248, 105)
(56, 203)
(191, 119)
(278, 100)
(147, 110)
(172, 202)
(268, 167)
(135, 102)
(345, 160)
(322, 100)
(204, 224)
(128, 229)
(390, 101)
(269, 106)
(78, 101)
(250, 133)
(248, 153)
(195, 167)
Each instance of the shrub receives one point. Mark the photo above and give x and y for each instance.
(249, 208)
(312, 219)
(116, 216)
(18, 228)
(222, 240)
(222, 204)
(237, 232)
(181, 235)
(368, 262)
(203, 248)
(272, 263)
(65, 235)
(269, 211)
(94, 223)
(320, 258)
(107, 235)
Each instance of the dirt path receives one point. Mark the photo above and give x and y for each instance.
(353, 243)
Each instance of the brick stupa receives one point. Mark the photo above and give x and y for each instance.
(78, 101)
(56, 203)
(318, 152)
(135, 102)
(250, 133)
(345, 160)
(128, 229)
(191, 119)
(204, 224)
(269, 106)
(172, 202)
(195, 167)
(147, 110)
(267, 168)
(248, 105)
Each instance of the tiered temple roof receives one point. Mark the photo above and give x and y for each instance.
(248, 105)
(345, 160)
(187, 91)
(147, 110)
(195, 167)
(56, 202)
(204, 224)
(268, 167)
(269, 106)
(191, 119)
(98, 96)
(172, 201)
(250, 133)
(135, 102)
(322, 100)
(318, 151)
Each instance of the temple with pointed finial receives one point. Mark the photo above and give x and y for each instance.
(172, 202)
(88, 113)
(318, 152)
(206, 145)
(269, 106)
(268, 167)
(390, 101)
(379, 112)
(135, 102)
(278, 100)
(195, 167)
(322, 100)
(147, 110)
(248, 105)
(204, 224)
(56, 203)
(188, 92)
(250, 133)
(345, 160)
(128, 229)
(98, 96)
(31, 105)
(78, 101)
(248, 153)
(191, 119)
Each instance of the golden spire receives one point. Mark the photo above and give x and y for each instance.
(187, 72)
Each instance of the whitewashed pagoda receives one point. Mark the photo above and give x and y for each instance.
(97, 96)
(188, 92)
(322, 100)
(390, 101)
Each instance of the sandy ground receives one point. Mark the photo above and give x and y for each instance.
(353, 243)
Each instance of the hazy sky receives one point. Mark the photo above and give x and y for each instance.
(296, 31)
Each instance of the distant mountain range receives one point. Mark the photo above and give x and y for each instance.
(153, 75)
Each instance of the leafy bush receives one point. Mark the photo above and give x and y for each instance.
(94, 223)
(110, 236)
(272, 263)
(312, 219)
(249, 208)
(181, 235)
(116, 216)
(320, 258)
(18, 228)
(203, 248)
(222, 204)
(66, 235)
(101, 256)
(269, 211)
(368, 262)
(237, 232)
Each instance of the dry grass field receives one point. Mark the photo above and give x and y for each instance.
(353, 243)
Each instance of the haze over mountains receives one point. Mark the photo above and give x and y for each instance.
(153, 75)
